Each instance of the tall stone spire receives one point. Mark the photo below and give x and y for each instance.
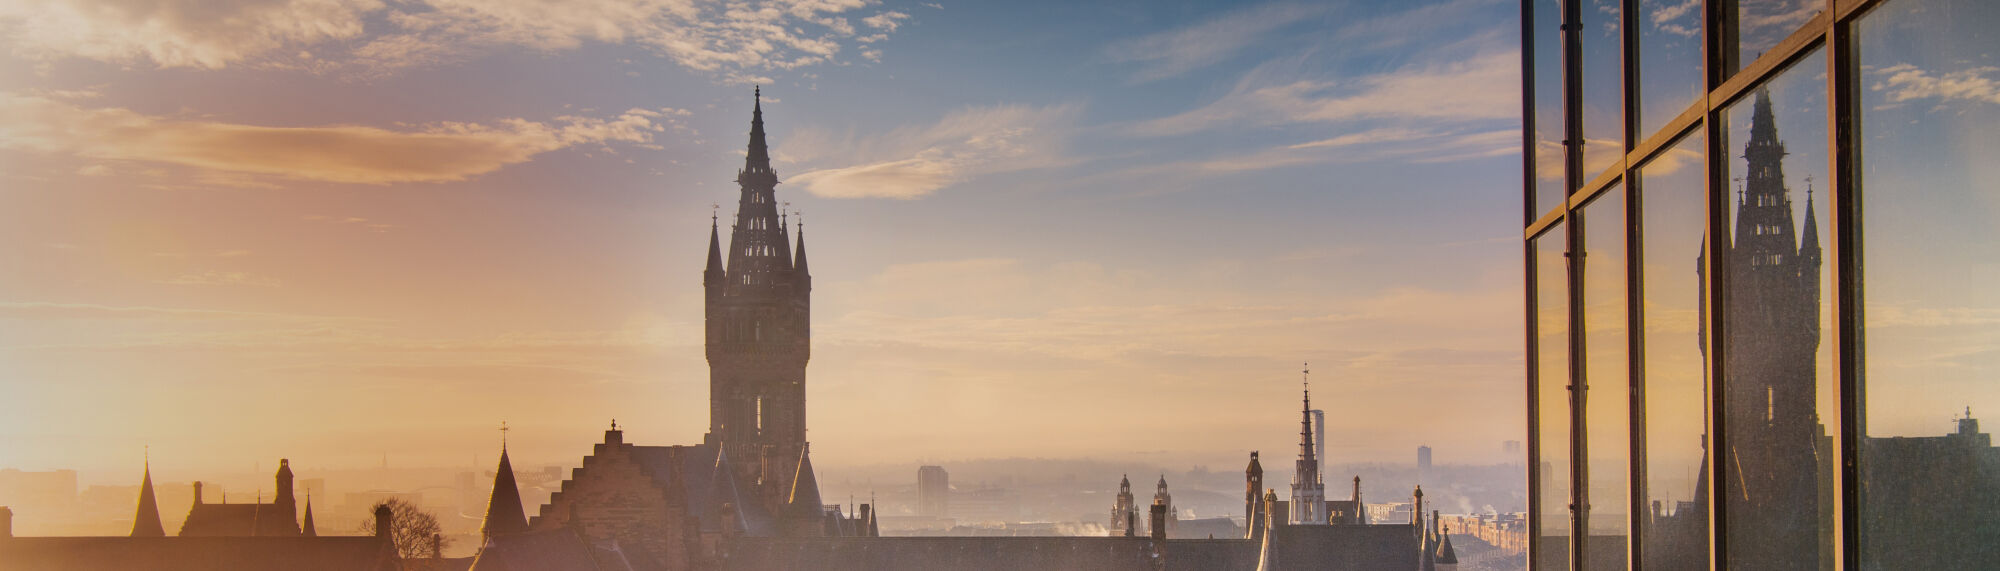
(1308, 492)
(503, 511)
(758, 159)
(146, 523)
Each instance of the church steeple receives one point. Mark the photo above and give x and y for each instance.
(146, 523)
(503, 510)
(1308, 492)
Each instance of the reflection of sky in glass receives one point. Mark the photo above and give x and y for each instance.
(1551, 328)
(1673, 217)
(1608, 401)
(1761, 24)
(1669, 60)
(1548, 106)
(1930, 125)
(1603, 94)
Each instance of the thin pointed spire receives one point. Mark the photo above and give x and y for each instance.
(306, 528)
(714, 274)
(1809, 245)
(146, 522)
(799, 264)
(758, 157)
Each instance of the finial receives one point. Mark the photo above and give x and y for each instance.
(1809, 187)
(1305, 378)
(714, 213)
(614, 424)
(759, 93)
(503, 435)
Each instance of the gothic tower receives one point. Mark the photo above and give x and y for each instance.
(1123, 519)
(758, 314)
(1776, 444)
(1308, 492)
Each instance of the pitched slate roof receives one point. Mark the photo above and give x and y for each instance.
(240, 520)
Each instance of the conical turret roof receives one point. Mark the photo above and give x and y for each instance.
(503, 512)
(146, 522)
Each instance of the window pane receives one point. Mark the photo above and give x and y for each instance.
(1608, 398)
(1552, 396)
(1674, 533)
(1547, 40)
(1779, 393)
(1930, 196)
(1669, 61)
(1761, 24)
(1603, 91)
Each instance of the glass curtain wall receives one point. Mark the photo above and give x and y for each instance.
(1761, 235)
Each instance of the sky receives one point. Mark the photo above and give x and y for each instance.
(351, 231)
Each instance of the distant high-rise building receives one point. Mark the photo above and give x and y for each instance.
(1423, 465)
(934, 492)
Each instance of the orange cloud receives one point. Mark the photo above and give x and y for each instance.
(341, 153)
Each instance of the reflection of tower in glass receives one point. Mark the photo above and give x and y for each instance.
(1776, 451)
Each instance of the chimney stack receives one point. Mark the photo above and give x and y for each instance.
(437, 546)
(384, 520)
(6, 522)
(197, 492)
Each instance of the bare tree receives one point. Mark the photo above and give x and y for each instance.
(410, 527)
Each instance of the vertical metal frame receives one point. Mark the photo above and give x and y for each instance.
(1534, 444)
(1727, 79)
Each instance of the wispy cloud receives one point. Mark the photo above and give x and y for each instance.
(915, 161)
(1174, 52)
(370, 37)
(1905, 82)
(343, 153)
(1484, 87)
(1389, 143)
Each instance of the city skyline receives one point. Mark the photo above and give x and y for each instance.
(186, 268)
